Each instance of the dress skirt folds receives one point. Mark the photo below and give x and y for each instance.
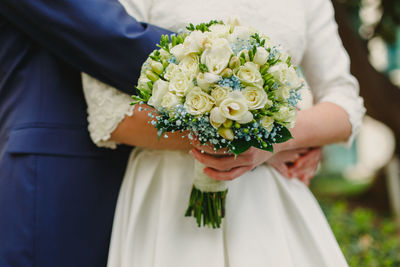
(270, 220)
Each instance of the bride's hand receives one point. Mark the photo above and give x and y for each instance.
(282, 161)
(300, 163)
(223, 166)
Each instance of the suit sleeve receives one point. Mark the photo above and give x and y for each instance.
(95, 36)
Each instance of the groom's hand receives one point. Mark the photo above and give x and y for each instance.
(223, 166)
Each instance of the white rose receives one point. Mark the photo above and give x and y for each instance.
(234, 107)
(160, 88)
(204, 80)
(170, 101)
(286, 75)
(181, 83)
(250, 75)
(216, 117)
(220, 93)
(217, 56)
(267, 123)
(283, 93)
(190, 64)
(196, 41)
(287, 116)
(220, 30)
(198, 102)
(261, 56)
(171, 71)
(256, 98)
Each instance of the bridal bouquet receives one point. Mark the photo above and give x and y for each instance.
(227, 85)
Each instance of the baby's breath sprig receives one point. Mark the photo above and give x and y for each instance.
(203, 27)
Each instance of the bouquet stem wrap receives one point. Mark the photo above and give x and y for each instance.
(207, 199)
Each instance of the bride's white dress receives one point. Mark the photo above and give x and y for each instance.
(270, 220)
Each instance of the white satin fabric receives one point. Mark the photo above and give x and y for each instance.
(270, 220)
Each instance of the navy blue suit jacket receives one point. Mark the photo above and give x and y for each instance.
(58, 190)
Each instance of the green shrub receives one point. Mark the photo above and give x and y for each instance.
(365, 238)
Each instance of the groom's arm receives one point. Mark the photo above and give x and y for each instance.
(95, 36)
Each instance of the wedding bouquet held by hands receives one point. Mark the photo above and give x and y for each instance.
(228, 86)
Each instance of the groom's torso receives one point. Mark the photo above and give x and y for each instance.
(57, 189)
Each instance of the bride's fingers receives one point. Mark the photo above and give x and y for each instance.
(209, 149)
(282, 168)
(220, 164)
(227, 175)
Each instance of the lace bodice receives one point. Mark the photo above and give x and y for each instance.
(306, 28)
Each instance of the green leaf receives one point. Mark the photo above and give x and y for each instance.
(283, 134)
(239, 146)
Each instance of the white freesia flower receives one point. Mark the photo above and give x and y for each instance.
(198, 102)
(261, 56)
(286, 115)
(240, 33)
(256, 97)
(170, 101)
(286, 75)
(219, 93)
(178, 51)
(142, 83)
(164, 54)
(249, 74)
(233, 22)
(181, 83)
(267, 123)
(217, 56)
(268, 41)
(246, 54)
(204, 80)
(283, 54)
(160, 88)
(234, 107)
(226, 133)
(216, 117)
(220, 30)
(190, 64)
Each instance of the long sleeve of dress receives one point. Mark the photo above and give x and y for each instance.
(326, 64)
(107, 107)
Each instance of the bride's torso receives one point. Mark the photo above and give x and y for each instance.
(284, 20)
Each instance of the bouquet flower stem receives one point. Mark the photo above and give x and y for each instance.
(207, 199)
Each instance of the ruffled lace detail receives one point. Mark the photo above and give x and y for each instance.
(107, 107)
